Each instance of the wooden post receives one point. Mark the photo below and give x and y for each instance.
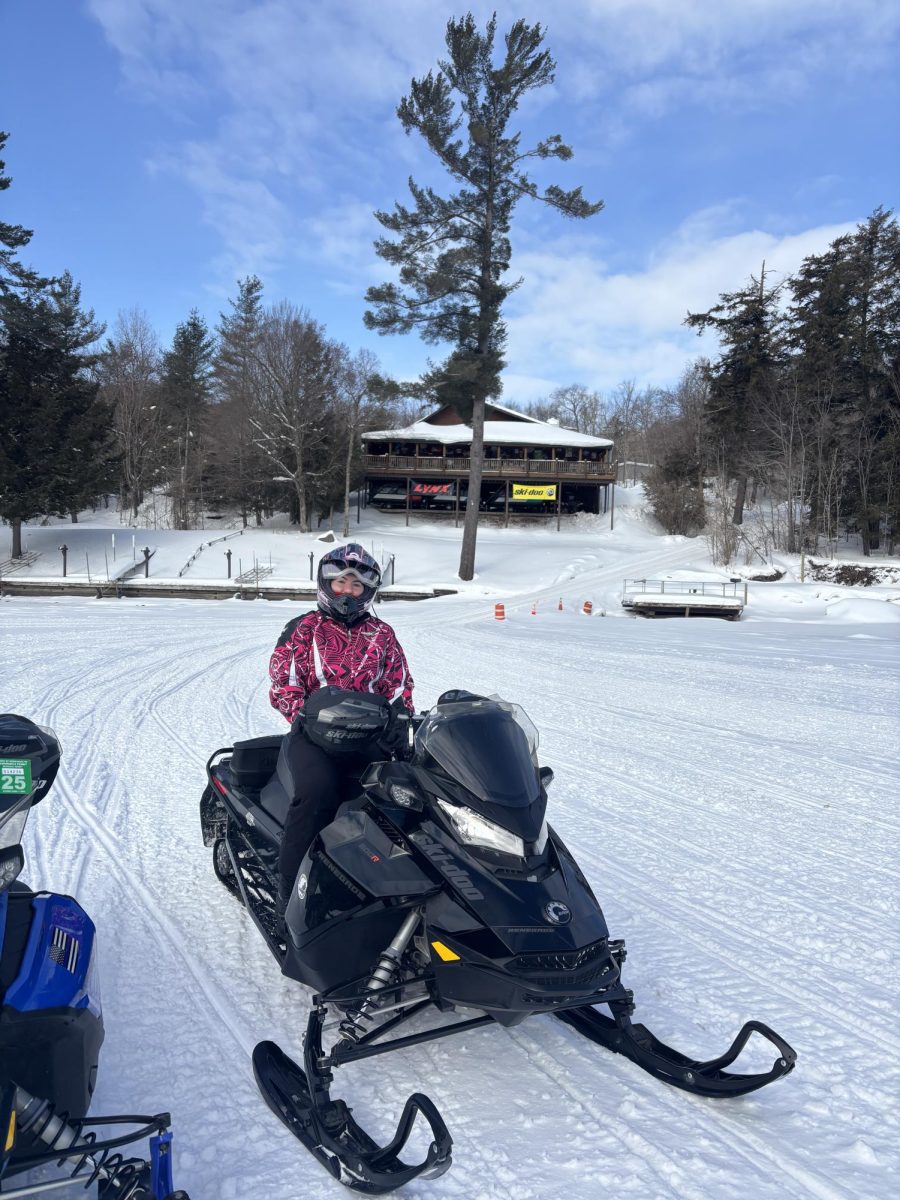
(612, 514)
(558, 504)
(407, 501)
(506, 509)
(457, 484)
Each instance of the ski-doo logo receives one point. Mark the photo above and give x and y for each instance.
(444, 862)
(14, 749)
(557, 913)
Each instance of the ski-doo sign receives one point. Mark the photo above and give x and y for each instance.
(527, 491)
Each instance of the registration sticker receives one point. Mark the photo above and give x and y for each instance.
(15, 776)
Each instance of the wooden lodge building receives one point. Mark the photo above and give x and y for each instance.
(531, 467)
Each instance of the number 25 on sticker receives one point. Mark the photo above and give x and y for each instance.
(15, 776)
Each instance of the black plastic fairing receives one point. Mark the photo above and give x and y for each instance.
(515, 909)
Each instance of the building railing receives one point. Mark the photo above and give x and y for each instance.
(542, 467)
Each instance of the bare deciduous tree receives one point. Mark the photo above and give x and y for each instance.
(299, 375)
(129, 378)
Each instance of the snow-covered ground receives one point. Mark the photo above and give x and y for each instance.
(728, 788)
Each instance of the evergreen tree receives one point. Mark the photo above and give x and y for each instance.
(744, 378)
(56, 448)
(186, 391)
(243, 476)
(13, 275)
(453, 252)
(844, 328)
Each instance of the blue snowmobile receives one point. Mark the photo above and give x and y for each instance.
(51, 1024)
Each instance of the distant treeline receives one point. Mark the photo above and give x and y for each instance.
(264, 412)
(801, 407)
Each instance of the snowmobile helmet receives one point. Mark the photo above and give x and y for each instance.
(354, 561)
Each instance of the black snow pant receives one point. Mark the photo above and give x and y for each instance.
(322, 782)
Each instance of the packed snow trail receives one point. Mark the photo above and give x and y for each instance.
(726, 788)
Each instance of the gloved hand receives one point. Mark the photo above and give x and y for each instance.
(396, 738)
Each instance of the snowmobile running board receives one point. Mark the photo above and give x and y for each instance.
(648, 1052)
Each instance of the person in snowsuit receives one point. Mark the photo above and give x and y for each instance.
(340, 644)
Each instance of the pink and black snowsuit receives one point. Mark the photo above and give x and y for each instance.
(315, 651)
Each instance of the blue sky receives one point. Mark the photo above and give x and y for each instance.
(160, 149)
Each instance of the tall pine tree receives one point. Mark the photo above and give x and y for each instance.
(13, 275)
(453, 252)
(744, 378)
(186, 391)
(844, 327)
(56, 444)
(244, 477)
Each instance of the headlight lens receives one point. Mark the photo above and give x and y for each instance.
(475, 830)
(403, 796)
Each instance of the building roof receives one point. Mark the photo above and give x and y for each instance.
(527, 432)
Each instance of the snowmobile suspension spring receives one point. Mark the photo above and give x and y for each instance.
(353, 1025)
(40, 1120)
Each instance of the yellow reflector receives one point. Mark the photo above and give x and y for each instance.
(444, 953)
(10, 1134)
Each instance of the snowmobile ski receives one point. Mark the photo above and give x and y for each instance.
(710, 1078)
(327, 1129)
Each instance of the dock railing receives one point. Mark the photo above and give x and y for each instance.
(683, 587)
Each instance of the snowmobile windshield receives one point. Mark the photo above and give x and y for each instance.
(487, 746)
(12, 823)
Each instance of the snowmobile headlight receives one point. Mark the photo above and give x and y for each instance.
(475, 830)
(404, 796)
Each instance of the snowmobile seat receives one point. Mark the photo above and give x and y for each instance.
(275, 800)
(253, 762)
(275, 795)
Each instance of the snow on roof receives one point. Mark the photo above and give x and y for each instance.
(503, 433)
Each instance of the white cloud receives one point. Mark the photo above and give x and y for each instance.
(601, 326)
(291, 140)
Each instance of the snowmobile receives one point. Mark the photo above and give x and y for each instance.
(441, 886)
(51, 1023)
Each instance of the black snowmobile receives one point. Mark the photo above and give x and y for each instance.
(51, 1024)
(440, 885)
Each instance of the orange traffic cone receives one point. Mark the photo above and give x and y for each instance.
(560, 605)
(499, 612)
(588, 608)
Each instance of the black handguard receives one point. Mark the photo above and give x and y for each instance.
(397, 739)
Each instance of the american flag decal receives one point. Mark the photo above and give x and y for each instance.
(64, 949)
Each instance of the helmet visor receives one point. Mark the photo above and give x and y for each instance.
(335, 570)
